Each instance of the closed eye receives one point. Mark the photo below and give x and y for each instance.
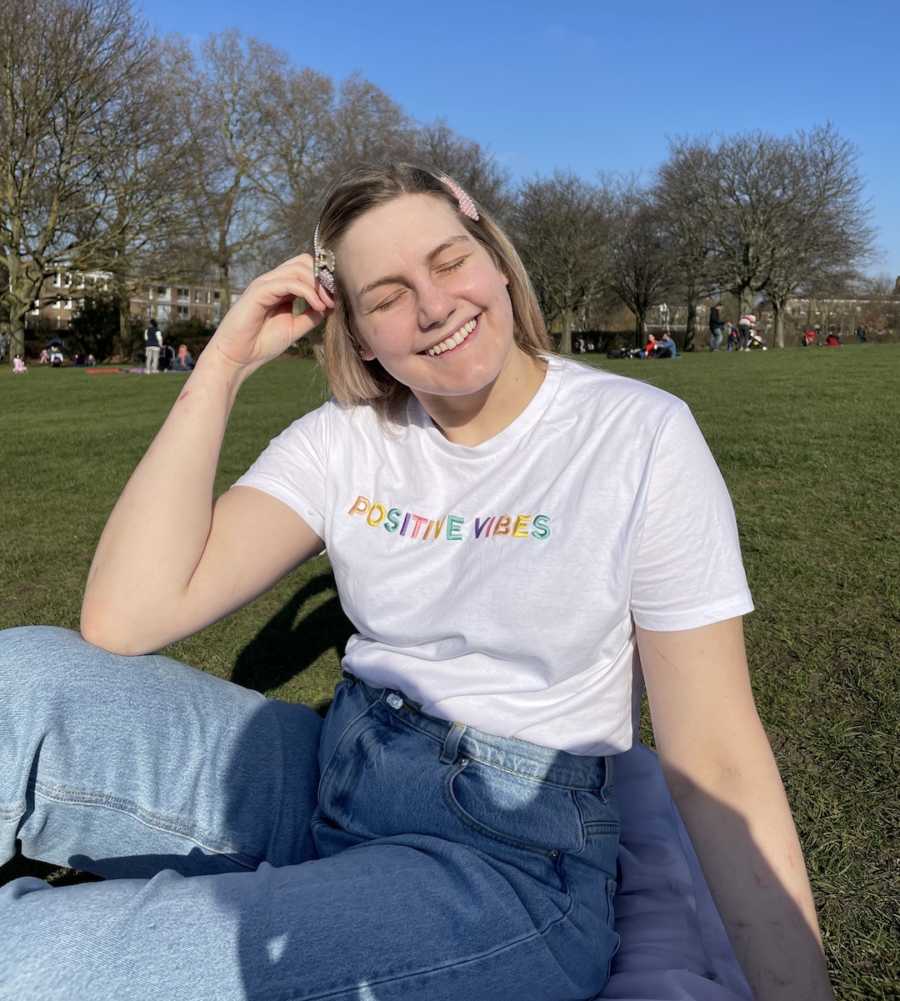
(388, 302)
(454, 265)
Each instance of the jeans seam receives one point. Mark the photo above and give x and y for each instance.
(337, 746)
(440, 968)
(129, 808)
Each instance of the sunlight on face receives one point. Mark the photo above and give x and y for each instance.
(426, 299)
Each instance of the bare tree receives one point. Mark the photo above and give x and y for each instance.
(561, 227)
(313, 132)
(224, 108)
(640, 267)
(65, 71)
(143, 179)
(466, 161)
(290, 177)
(820, 233)
(687, 233)
(778, 214)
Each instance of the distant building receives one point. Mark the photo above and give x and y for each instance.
(64, 294)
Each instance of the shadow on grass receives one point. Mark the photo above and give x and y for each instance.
(294, 638)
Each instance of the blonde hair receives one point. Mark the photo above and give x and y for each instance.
(354, 381)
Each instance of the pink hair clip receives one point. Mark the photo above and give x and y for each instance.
(323, 263)
(466, 205)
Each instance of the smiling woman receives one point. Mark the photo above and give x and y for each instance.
(474, 817)
(414, 266)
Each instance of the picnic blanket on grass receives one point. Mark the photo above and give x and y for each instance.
(674, 946)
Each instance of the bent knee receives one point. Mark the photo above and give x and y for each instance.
(35, 654)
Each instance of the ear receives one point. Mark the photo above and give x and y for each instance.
(364, 353)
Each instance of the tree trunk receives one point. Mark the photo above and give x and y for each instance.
(565, 340)
(745, 299)
(24, 288)
(639, 327)
(226, 286)
(16, 338)
(122, 347)
(19, 305)
(778, 310)
(690, 328)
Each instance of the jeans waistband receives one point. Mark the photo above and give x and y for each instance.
(520, 757)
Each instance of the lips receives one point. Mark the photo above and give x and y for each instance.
(454, 340)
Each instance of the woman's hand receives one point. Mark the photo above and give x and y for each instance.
(262, 323)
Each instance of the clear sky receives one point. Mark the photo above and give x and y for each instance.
(602, 85)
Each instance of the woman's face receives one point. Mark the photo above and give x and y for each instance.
(426, 299)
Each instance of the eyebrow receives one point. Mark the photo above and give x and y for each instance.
(394, 279)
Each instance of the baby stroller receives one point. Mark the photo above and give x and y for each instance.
(756, 341)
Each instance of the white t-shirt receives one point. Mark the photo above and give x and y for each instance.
(499, 584)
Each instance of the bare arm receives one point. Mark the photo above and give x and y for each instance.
(169, 562)
(722, 773)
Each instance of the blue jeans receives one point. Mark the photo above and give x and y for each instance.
(254, 851)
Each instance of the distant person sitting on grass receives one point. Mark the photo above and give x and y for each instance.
(650, 347)
(184, 361)
(458, 824)
(19, 365)
(665, 346)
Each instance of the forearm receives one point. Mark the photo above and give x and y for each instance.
(157, 531)
(740, 823)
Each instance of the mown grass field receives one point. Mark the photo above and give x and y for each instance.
(809, 444)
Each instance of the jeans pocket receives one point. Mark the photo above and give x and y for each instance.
(523, 813)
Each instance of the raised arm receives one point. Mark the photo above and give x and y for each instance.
(169, 561)
(720, 768)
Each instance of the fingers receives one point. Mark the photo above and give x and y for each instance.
(302, 267)
(278, 285)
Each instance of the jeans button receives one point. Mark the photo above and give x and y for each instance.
(394, 701)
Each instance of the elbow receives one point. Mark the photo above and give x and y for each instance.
(114, 636)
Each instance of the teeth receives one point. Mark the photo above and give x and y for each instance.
(454, 340)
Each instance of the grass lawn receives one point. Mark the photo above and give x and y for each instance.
(809, 444)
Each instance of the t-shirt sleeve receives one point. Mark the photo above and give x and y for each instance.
(293, 467)
(687, 569)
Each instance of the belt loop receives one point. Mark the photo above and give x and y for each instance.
(608, 773)
(451, 743)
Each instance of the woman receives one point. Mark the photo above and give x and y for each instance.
(451, 829)
(184, 360)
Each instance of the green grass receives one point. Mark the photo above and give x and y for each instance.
(809, 443)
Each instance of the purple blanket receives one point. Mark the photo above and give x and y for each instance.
(674, 946)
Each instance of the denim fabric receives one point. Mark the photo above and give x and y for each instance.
(254, 852)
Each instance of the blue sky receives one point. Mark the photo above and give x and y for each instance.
(601, 86)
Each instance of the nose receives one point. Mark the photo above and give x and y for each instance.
(435, 304)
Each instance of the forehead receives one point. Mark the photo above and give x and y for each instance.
(401, 232)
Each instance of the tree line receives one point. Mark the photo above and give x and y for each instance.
(133, 154)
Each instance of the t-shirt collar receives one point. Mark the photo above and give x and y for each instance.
(418, 417)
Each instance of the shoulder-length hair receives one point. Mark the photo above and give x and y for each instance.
(354, 381)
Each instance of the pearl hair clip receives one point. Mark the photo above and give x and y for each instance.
(466, 205)
(323, 263)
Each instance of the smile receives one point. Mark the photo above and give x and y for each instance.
(454, 340)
